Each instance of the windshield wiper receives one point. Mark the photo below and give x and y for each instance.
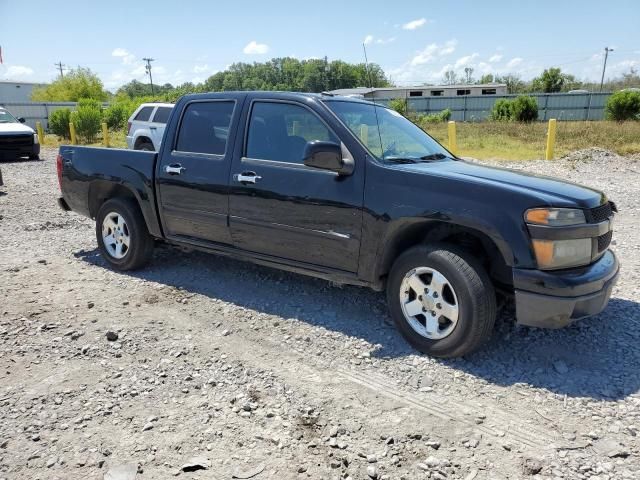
(434, 156)
(403, 159)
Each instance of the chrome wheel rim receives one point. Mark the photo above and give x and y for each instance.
(429, 303)
(115, 235)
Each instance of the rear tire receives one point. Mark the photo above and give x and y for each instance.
(34, 157)
(442, 300)
(123, 238)
(145, 146)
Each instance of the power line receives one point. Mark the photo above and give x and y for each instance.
(148, 69)
(60, 66)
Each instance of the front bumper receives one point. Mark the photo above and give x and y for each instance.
(554, 299)
(10, 152)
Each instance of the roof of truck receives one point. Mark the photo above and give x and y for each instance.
(279, 95)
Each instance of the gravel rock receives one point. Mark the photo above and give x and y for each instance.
(311, 376)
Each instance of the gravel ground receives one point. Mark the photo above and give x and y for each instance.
(203, 367)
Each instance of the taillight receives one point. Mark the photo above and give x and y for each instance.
(128, 128)
(59, 170)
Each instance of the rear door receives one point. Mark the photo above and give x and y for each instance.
(158, 124)
(193, 171)
(282, 208)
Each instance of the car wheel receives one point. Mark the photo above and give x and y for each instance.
(122, 234)
(146, 146)
(34, 157)
(442, 300)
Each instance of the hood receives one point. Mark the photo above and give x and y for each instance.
(546, 190)
(15, 128)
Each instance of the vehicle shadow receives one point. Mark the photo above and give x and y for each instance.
(596, 357)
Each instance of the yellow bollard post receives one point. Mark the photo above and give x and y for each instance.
(105, 134)
(364, 134)
(551, 139)
(40, 133)
(72, 131)
(453, 143)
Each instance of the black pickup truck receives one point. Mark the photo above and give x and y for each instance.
(353, 192)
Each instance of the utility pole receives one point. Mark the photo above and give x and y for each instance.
(148, 69)
(604, 67)
(60, 65)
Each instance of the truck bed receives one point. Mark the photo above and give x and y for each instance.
(91, 171)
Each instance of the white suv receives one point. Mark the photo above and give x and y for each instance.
(146, 126)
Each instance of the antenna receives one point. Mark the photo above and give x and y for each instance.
(366, 65)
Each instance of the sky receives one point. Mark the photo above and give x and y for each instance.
(414, 41)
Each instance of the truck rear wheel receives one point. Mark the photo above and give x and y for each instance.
(122, 234)
(441, 300)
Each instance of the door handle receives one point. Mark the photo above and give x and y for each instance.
(246, 177)
(174, 169)
(153, 128)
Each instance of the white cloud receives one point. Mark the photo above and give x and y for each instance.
(127, 58)
(413, 24)
(369, 39)
(384, 41)
(466, 60)
(433, 50)
(16, 72)
(495, 58)
(514, 62)
(448, 48)
(255, 48)
(200, 68)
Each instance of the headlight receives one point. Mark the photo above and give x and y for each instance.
(555, 217)
(35, 138)
(552, 254)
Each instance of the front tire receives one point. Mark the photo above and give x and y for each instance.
(123, 238)
(442, 300)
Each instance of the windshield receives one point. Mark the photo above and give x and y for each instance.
(6, 117)
(387, 134)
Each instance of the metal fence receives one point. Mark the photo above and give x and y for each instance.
(36, 111)
(562, 106)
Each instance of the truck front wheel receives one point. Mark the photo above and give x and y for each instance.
(122, 234)
(441, 300)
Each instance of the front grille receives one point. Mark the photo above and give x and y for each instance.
(13, 141)
(604, 241)
(599, 214)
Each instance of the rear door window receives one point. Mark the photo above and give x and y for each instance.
(144, 114)
(205, 127)
(162, 115)
(280, 131)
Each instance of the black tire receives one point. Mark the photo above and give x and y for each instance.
(34, 157)
(476, 299)
(141, 244)
(146, 146)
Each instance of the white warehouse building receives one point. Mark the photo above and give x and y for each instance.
(424, 91)
(16, 91)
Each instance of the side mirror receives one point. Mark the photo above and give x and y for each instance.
(21, 119)
(327, 156)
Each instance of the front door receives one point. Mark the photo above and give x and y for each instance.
(282, 208)
(193, 174)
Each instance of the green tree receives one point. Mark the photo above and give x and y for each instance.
(513, 82)
(553, 80)
(76, 84)
(488, 78)
(623, 105)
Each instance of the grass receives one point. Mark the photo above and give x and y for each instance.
(518, 141)
(502, 140)
(117, 139)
